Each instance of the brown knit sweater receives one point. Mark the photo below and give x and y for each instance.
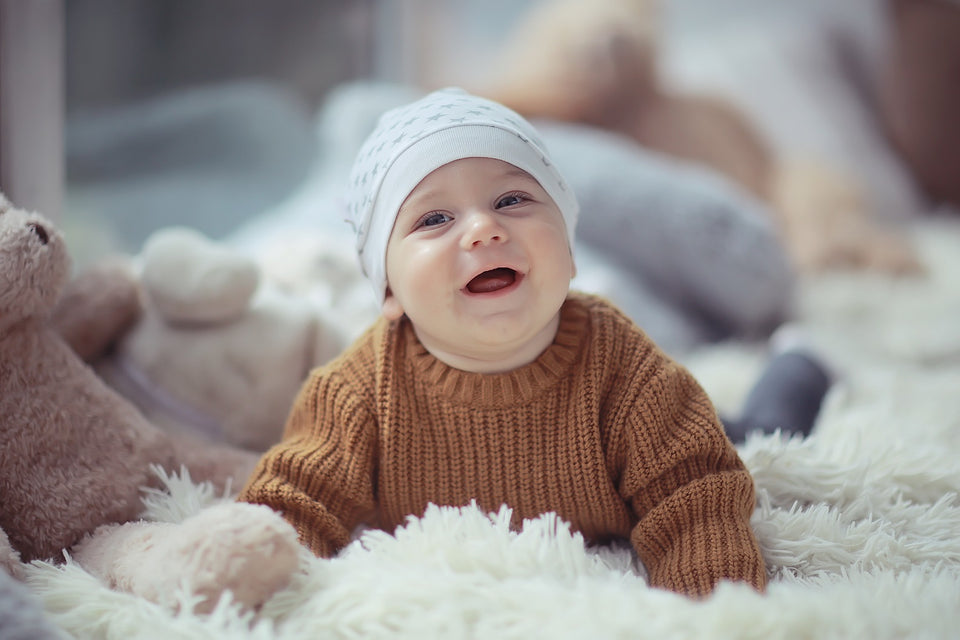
(602, 429)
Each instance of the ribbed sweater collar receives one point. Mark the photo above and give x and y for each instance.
(434, 377)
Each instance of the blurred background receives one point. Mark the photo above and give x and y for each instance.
(204, 112)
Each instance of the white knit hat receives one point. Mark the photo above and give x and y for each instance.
(411, 141)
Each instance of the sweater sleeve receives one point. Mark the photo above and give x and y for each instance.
(692, 495)
(321, 476)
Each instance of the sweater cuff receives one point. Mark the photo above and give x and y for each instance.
(700, 535)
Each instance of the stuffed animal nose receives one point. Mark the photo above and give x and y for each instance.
(40, 231)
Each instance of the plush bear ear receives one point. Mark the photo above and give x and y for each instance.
(192, 279)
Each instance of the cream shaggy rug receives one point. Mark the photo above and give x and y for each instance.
(859, 523)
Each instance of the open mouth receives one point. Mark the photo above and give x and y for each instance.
(493, 280)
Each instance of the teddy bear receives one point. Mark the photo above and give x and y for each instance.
(218, 350)
(75, 456)
(599, 64)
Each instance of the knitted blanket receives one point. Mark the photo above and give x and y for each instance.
(859, 523)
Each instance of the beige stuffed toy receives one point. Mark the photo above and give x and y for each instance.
(597, 63)
(75, 455)
(219, 351)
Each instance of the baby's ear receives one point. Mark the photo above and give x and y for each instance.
(391, 308)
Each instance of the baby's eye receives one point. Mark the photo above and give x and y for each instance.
(434, 219)
(510, 200)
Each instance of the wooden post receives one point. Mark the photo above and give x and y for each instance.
(32, 104)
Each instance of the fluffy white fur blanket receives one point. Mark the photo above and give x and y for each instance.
(859, 523)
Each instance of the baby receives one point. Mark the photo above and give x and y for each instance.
(487, 379)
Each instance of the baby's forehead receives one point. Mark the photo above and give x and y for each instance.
(515, 171)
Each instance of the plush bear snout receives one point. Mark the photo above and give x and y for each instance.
(39, 231)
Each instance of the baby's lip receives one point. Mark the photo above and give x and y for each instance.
(493, 278)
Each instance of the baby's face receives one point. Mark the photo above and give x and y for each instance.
(479, 262)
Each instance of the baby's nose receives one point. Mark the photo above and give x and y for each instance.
(482, 229)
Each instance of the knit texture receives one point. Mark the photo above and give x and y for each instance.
(602, 429)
